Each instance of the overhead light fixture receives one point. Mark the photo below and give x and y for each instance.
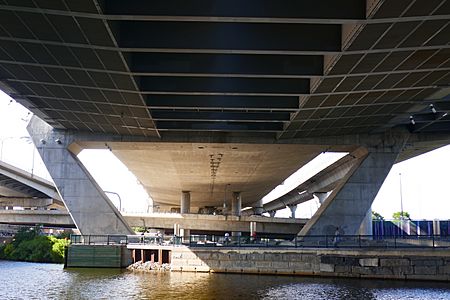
(433, 110)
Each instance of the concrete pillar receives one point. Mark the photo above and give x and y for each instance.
(347, 205)
(236, 204)
(253, 229)
(366, 225)
(176, 229)
(321, 197)
(258, 208)
(272, 213)
(89, 207)
(185, 234)
(293, 208)
(185, 202)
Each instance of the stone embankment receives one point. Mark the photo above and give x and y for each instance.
(148, 267)
(385, 263)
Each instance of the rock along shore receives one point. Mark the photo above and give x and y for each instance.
(148, 267)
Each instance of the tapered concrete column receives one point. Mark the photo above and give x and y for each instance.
(272, 213)
(366, 225)
(185, 202)
(348, 204)
(185, 209)
(89, 207)
(236, 204)
(293, 208)
(321, 197)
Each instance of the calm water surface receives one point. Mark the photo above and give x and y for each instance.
(20, 280)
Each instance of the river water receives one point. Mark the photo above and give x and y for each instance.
(19, 280)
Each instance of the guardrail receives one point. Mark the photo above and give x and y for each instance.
(317, 241)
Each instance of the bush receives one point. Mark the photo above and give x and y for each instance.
(58, 248)
(28, 245)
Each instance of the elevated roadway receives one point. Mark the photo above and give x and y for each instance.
(163, 221)
(20, 188)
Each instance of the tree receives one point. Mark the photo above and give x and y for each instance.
(377, 216)
(398, 215)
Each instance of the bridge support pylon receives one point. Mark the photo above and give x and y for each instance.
(89, 207)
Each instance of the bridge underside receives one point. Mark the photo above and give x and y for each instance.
(205, 78)
(212, 171)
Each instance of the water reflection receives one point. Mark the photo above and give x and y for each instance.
(48, 281)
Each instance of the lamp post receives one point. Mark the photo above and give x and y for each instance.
(118, 196)
(401, 202)
(225, 199)
(401, 196)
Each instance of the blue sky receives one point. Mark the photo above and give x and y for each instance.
(424, 178)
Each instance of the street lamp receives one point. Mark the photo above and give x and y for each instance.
(118, 196)
(401, 197)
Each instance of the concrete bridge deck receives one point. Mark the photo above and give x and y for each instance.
(161, 220)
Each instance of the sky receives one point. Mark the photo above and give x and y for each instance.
(424, 179)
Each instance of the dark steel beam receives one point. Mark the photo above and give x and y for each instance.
(224, 85)
(320, 9)
(226, 64)
(218, 126)
(241, 102)
(220, 116)
(219, 51)
(229, 36)
(258, 17)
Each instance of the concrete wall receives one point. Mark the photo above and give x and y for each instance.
(387, 264)
(104, 256)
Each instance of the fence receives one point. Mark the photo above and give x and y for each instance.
(411, 227)
(317, 241)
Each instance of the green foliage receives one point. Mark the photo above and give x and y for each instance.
(58, 248)
(139, 229)
(36, 250)
(2, 249)
(377, 216)
(28, 245)
(397, 215)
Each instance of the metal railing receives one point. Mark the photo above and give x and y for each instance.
(317, 241)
